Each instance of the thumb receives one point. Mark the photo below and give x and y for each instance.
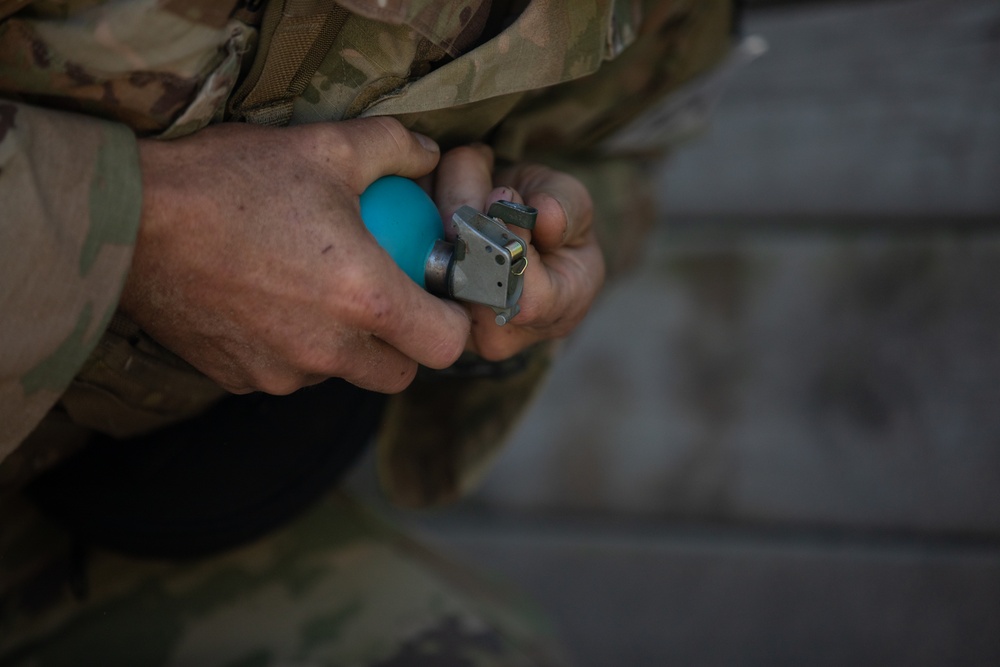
(382, 146)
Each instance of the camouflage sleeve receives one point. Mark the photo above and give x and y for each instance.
(70, 201)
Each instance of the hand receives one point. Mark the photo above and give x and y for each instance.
(565, 265)
(253, 265)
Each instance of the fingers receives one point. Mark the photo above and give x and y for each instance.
(406, 324)
(374, 337)
(377, 366)
(308, 294)
(565, 209)
(372, 296)
(366, 362)
(464, 178)
(565, 266)
(429, 330)
(376, 147)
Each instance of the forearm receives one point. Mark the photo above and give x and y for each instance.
(70, 198)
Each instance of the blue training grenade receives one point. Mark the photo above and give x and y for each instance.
(486, 262)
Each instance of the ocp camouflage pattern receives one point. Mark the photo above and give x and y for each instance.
(336, 587)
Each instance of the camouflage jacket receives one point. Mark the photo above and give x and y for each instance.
(81, 79)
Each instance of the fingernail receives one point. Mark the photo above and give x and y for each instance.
(427, 142)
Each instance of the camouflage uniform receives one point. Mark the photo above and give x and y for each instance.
(79, 80)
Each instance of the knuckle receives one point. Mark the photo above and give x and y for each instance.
(326, 143)
(236, 388)
(401, 379)
(231, 377)
(499, 348)
(538, 306)
(387, 377)
(579, 201)
(466, 152)
(395, 131)
(369, 308)
(584, 208)
(469, 161)
(391, 125)
(599, 272)
(577, 190)
(532, 309)
(310, 359)
(342, 152)
(277, 384)
(445, 351)
(357, 300)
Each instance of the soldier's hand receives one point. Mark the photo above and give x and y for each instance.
(565, 265)
(253, 265)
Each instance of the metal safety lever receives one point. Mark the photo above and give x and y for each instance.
(486, 263)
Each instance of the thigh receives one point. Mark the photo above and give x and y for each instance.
(337, 586)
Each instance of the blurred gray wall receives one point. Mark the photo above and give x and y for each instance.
(778, 441)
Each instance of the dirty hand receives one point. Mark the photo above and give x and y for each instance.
(565, 266)
(253, 265)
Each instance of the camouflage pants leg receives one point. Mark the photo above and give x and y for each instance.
(335, 587)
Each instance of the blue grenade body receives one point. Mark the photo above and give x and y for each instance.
(404, 221)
